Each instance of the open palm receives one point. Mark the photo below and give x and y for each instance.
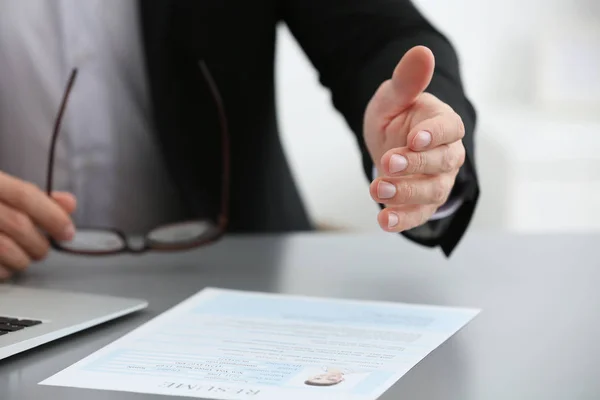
(415, 141)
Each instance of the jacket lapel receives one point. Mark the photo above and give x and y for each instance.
(184, 112)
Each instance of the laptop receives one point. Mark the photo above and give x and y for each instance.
(32, 317)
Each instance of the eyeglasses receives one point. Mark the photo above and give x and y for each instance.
(178, 236)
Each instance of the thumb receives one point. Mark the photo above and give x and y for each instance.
(412, 75)
(66, 200)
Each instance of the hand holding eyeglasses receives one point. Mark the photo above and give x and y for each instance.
(26, 212)
(33, 221)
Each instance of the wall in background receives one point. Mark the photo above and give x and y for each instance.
(536, 166)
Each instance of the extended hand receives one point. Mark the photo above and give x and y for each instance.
(415, 141)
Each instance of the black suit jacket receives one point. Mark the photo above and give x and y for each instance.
(354, 44)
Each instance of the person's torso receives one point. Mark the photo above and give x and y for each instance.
(106, 151)
(107, 155)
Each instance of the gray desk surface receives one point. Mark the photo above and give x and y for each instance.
(537, 337)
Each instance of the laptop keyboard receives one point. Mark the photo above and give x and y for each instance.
(8, 325)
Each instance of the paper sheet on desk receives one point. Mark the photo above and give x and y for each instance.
(223, 344)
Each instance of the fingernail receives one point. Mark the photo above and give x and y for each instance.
(422, 140)
(385, 190)
(398, 163)
(69, 233)
(392, 220)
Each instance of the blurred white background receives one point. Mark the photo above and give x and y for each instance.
(532, 69)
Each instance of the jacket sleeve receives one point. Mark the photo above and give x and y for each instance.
(355, 46)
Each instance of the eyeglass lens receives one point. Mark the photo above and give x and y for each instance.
(175, 235)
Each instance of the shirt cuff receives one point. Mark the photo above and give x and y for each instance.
(451, 206)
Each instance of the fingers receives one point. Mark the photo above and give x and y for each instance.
(24, 210)
(442, 159)
(11, 256)
(420, 189)
(442, 129)
(43, 211)
(21, 229)
(403, 218)
(412, 75)
(66, 200)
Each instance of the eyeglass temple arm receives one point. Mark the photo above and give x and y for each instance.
(222, 119)
(223, 220)
(57, 125)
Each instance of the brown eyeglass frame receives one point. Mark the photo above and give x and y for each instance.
(223, 218)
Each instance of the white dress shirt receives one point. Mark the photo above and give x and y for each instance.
(106, 151)
(106, 154)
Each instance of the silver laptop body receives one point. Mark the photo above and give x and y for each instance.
(32, 317)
